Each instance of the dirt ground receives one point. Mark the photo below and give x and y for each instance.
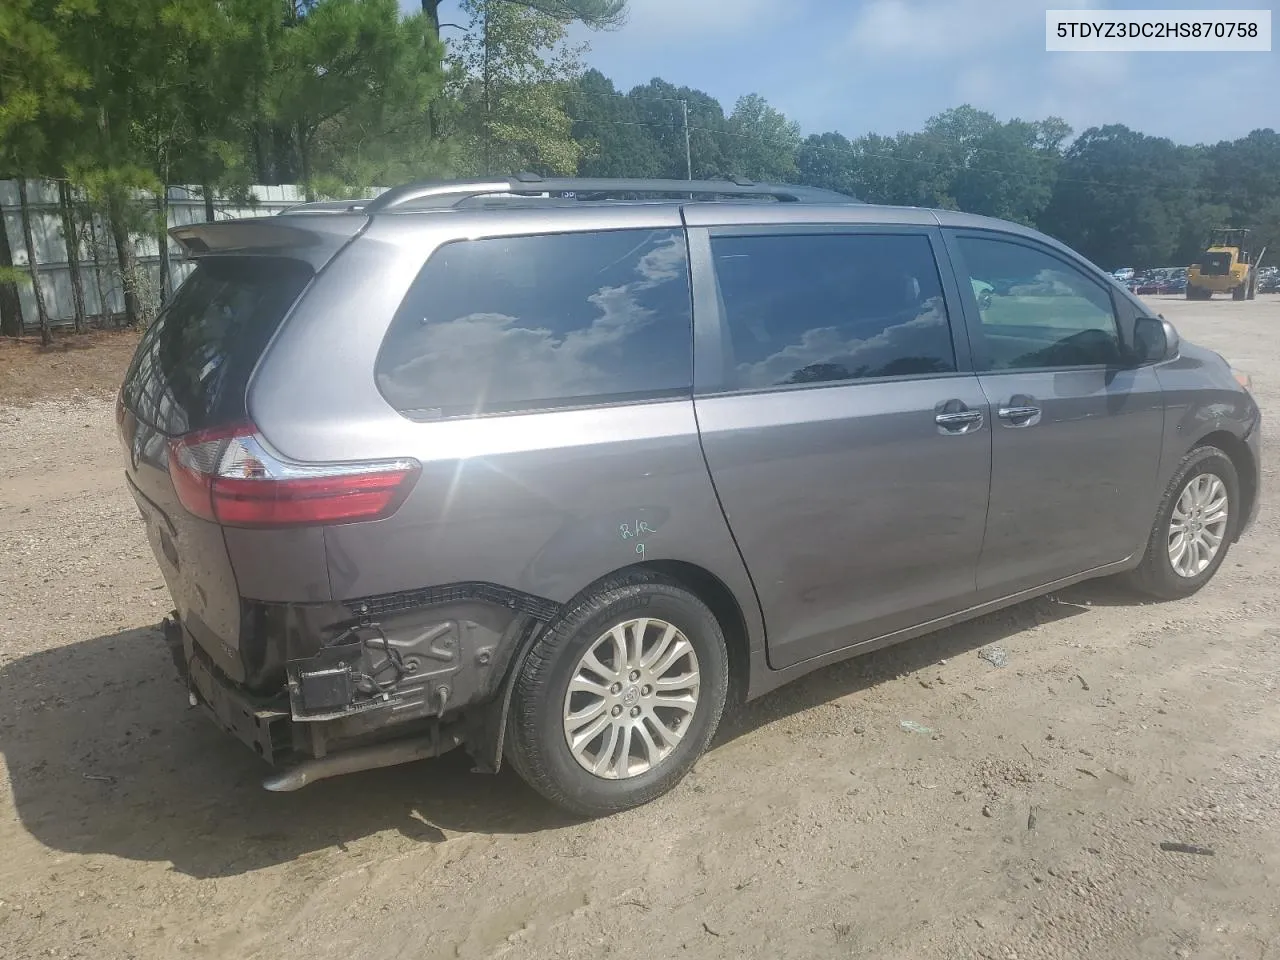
(76, 366)
(1028, 826)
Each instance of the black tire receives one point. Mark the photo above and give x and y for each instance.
(535, 738)
(1155, 576)
(1240, 292)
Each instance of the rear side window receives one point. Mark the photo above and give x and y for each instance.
(192, 366)
(524, 323)
(831, 307)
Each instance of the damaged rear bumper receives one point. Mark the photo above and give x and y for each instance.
(384, 687)
(262, 727)
(299, 751)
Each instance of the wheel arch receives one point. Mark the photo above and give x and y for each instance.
(716, 594)
(1242, 459)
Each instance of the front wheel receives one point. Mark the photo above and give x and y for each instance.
(1194, 527)
(619, 697)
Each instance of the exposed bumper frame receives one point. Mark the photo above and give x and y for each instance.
(262, 728)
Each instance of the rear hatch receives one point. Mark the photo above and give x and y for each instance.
(188, 379)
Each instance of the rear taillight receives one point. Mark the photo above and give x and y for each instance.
(229, 476)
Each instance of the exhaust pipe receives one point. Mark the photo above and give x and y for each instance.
(363, 758)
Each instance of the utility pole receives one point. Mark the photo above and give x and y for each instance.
(688, 156)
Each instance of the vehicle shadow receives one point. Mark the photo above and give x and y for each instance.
(105, 757)
(862, 672)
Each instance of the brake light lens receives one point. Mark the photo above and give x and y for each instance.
(229, 476)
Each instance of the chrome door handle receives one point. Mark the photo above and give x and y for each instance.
(959, 419)
(1018, 415)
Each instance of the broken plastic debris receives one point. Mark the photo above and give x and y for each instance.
(912, 727)
(1192, 848)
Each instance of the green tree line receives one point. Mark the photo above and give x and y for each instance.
(1119, 196)
(111, 99)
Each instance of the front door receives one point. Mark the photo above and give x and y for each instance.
(850, 450)
(1076, 432)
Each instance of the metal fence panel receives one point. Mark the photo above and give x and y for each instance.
(99, 270)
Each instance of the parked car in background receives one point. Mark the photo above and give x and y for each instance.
(1123, 274)
(1159, 281)
(582, 471)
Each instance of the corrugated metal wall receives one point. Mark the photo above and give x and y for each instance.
(98, 267)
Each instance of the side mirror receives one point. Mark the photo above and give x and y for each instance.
(1154, 340)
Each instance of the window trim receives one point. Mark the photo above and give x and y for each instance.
(973, 317)
(711, 374)
(529, 407)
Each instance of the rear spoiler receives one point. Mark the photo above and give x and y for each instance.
(315, 238)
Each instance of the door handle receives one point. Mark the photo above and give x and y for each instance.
(1019, 416)
(959, 421)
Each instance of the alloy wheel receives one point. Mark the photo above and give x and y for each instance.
(1198, 524)
(631, 698)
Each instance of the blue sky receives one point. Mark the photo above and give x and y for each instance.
(860, 66)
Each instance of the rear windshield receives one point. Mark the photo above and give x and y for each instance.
(192, 366)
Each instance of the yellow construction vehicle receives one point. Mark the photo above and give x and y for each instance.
(1227, 266)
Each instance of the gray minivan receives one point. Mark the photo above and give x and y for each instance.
(552, 469)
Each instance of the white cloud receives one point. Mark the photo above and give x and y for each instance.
(980, 84)
(916, 338)
(946, 29)
(699, 22)
(1088, 89)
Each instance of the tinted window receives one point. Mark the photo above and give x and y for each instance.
(1037, 310)
(192, 366)
(526, 322)
(812, 309)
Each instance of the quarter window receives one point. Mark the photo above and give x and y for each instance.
(824, 308)
(1037, 310)
(522, 323)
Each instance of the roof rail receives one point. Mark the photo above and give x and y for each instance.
(325, 206)
(437, 194)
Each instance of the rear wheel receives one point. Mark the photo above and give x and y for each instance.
(618, 699)
(1193, 529)
(1240, 292)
